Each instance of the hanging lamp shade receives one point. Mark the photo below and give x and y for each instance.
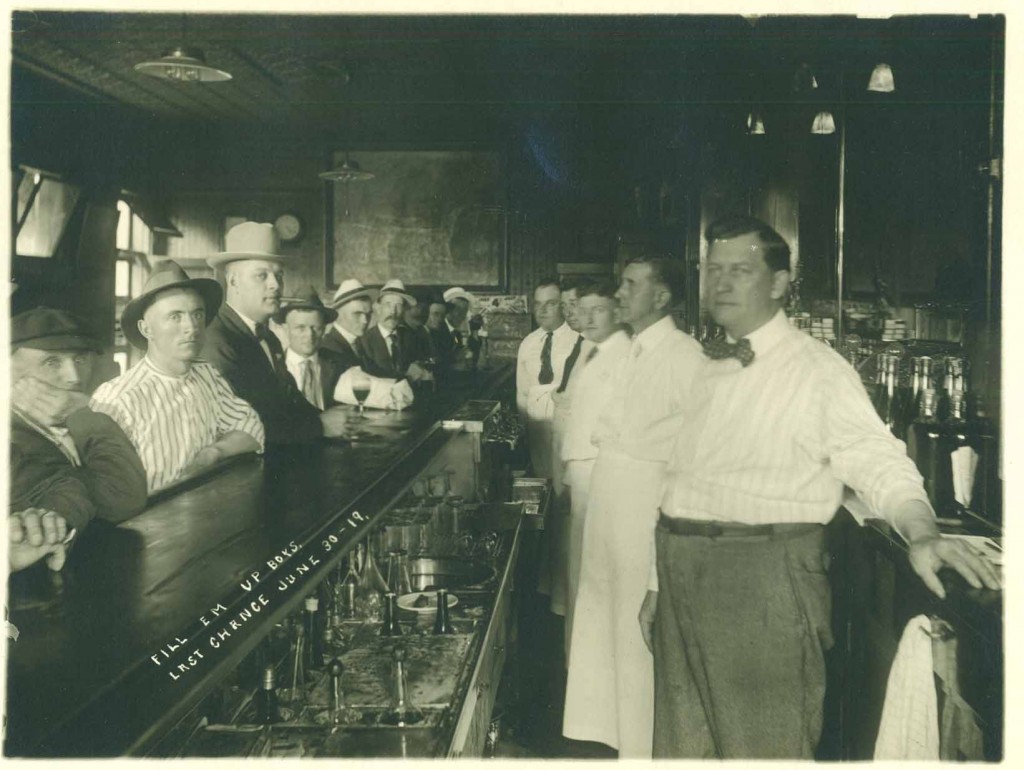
(755, 125)
(823, 123)
(803, 79)
(183, 65)
(349, 171)
(881, 79)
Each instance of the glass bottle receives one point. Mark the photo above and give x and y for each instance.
(401, 713)
(957, 434)
(390, 626)
(340, 713)
(900, 416)
(399, 578)
(371, 590)
(267, 711)
(987, 494)
(348, 589)
(879, 398)
(929, 450)
(442, 620)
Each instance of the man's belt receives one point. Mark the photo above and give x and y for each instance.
(695, 528)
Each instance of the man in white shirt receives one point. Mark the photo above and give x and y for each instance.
(557, 524)
(315, 371)
(539, 368)
(740, 600)
(610, 690)
(589, 392)
(179, 413)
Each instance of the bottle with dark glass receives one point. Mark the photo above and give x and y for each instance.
(313, 657)
(928, 446)
(987, 497)
(879, 397)
(957, 435)
(390, 626)
(442, 620)
(921, 381)
(267, 711)
(900, 415)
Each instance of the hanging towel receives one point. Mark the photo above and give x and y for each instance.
(910, 718)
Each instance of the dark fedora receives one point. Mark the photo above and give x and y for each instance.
(44, 328)
(166, 276)
(308, 299)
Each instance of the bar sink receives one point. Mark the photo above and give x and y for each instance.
(429, 574)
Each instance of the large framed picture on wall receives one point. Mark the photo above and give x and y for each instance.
(430, 218)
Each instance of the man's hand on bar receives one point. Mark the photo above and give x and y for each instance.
(928, 555)
(335, 422)
(34, 534)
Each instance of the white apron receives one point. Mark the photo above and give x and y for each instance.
(577, 479)
(610, 692)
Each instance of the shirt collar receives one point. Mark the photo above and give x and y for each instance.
(148, 363)
(345, 333)
(294, 359)
(614, 338)
(449, 324)
(385, 333)
(245, 319)
(768, 335)
(655, 333)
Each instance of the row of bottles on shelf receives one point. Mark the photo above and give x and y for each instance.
(955, 448)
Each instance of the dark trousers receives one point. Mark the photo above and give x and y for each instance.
(740, 631)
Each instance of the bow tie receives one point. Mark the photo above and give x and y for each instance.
(720, 348)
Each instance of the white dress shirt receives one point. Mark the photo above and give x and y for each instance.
(251, 325)
(651, 386)
(532, 398)
(774, 442)
(296, 365)
(590, 389)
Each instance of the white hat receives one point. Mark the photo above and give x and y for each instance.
(349, 290)
(396, 286)
(249, 240)
(457, 292)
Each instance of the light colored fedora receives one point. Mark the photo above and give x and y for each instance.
(457, 292)
(349, 290)
(165, 276)
(249, 240)
(396, 286)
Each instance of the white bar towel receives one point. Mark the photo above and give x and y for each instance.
(910, 717)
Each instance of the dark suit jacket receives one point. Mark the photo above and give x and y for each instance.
(110, 484)
(376, 360)
(445, 345)
(344, 354)
(230, 346)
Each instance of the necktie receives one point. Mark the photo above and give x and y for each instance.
(547, 374)
(309, 388)
(395, 353)
(720, 348)
(570, 362)
(592, 354)
(273, 346)
(458, 338)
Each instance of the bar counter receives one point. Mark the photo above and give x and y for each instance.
(116, 648)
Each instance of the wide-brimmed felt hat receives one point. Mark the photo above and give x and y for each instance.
(349, 290)
(44, 328)
(457, 292)
(308, 299)
(166, 276)
(249, 240)
(397, 287)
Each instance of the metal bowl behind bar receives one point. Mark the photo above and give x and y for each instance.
(429, 574)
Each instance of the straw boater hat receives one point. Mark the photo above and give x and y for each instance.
(457, 292)
(396, 286)
(349, 290)
(308, 299)
(44, 328)
(249, 240)
(165, 276)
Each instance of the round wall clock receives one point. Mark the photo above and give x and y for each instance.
(289, 227)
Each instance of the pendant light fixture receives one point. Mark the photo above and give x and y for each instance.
(804, 80)
(755, 125)
(347, 172)
(881, 79)
(182, 64)
(824, 123)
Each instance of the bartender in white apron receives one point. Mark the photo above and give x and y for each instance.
(589, 392)
(610, 691)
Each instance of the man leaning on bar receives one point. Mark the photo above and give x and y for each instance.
(738, 611)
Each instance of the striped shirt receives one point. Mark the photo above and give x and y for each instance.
(169, 418)
(776, 441)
